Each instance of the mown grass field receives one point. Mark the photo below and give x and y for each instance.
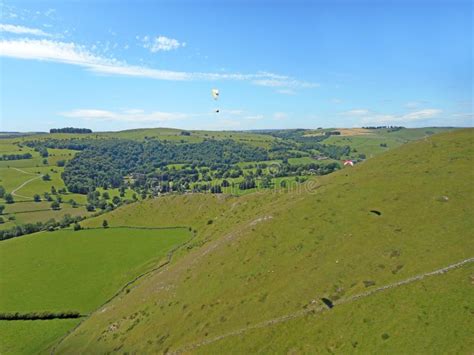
(260, 256)
(67, 270)
(32, 337)
(370, 142)
(77, 270)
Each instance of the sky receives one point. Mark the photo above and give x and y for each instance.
(112, 65)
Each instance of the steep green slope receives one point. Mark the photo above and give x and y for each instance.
(268, 255)
(433, 316)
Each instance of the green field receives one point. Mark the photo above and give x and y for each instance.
(32, 337)
(278, 252)
(66, 270)
(23, 178)
(370, 144)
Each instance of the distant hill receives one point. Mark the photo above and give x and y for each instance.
(254, 278)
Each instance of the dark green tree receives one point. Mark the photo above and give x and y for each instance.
(225, 183)
(90, 207)
(9, 198)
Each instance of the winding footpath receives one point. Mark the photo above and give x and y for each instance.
(320, 309)
(25, 183)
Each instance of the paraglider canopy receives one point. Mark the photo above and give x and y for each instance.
(348, 162)
(215, 94)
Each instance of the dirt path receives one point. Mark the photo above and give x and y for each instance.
(25, 183)
(320, 308)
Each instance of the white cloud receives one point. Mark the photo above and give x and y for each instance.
(75, 54)
(21, 30)
(280, 116)
(419, 115)
(284, 81)
(410, 117)
(415, 104)
(232, 112)
(254, 117)
(71, 53)
(287, 91)
(49, 12)
(133, 115)
(468, 115)
(357, 112)
(161, 43)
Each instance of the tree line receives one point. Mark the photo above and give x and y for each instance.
(6, 157)
(39, 315)
(70, 130)
(29, 228)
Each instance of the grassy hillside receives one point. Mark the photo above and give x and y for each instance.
(267, 255)
(377, 141)
(437, 312)
(169, 134)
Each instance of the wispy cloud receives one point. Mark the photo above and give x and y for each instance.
(281, 82)
(287, 91)
(75, 54)
(407, 118)
(420, 115)
(22, 30)
(415, 104)
(280, 116)
(357, 112)
(133, 115)
(253, 117)
(161, 43)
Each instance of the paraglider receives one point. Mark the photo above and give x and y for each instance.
(348, 162)
(215, 96)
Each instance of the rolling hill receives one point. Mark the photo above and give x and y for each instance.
(254, 277)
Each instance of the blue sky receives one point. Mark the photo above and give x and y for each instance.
(112, 65)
